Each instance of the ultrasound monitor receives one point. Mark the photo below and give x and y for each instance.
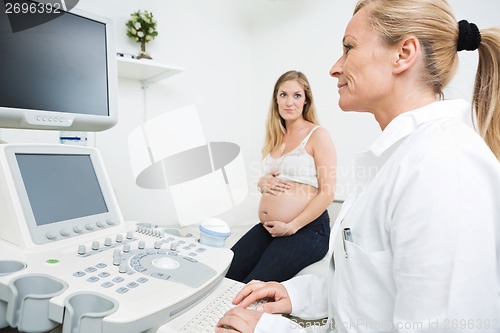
(59, 74)
(50, 193)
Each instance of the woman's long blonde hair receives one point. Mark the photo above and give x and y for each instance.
(275, 125)
(433, 23)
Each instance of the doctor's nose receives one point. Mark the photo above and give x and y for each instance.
(336, 69)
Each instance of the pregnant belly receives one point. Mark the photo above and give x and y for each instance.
(285, 206)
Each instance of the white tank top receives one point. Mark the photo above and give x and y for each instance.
(297, 165)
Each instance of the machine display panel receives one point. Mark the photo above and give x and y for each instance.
(57, 191)
(60, 186)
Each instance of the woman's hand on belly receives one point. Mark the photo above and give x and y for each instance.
(270, 184)
(279, 229)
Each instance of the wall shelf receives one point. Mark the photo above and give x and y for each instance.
(145, 70)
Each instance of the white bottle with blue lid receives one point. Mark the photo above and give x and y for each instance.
(213, 232)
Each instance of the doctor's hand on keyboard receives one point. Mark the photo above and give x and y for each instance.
(205, 321)
(251, 302)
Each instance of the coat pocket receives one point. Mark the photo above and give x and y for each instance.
(366, 284)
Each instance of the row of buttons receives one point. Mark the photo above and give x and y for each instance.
(108, 243)
(77, 229)
(112, 282)
(50, 119)
(119, 241)
(188, 247)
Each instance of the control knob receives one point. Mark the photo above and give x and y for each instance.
(81, 249)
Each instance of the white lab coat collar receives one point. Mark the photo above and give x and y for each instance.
(368, 163)
(407, 122)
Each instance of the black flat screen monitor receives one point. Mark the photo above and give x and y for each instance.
(58, 73)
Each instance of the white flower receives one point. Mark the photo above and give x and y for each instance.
(141, 27)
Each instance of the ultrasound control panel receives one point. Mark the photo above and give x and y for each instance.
(132, 281)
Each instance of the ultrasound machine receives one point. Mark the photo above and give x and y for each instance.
(68, 261)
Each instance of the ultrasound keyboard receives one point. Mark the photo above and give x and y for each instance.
(207, 318)
(203, 317)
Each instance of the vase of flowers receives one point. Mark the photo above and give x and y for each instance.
(141, 27)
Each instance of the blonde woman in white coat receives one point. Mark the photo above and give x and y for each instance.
(416, 249)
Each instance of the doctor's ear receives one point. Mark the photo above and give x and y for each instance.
(406, 54)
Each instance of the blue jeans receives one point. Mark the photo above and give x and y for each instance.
(259, 256)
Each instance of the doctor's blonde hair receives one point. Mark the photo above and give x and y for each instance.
(275, 125)
(435, 26)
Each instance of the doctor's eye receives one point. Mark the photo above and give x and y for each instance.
(347, 48)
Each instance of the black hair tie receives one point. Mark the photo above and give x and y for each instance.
(469, 36)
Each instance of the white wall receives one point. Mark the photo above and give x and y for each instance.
(233, 52)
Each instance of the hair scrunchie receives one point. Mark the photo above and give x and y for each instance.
(469, 36)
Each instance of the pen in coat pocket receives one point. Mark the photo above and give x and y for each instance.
(347, 236)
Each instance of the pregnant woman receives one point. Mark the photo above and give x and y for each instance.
(298, 184)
